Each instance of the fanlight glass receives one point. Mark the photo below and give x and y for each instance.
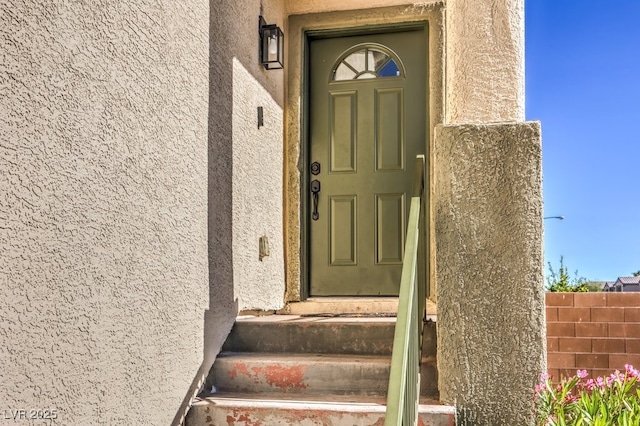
(368, 62)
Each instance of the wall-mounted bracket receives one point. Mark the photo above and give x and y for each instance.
(263, 247)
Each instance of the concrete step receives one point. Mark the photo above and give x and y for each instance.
(317, 374)
(264, 410)
(321, 335)
(331, 334)
(312, 370)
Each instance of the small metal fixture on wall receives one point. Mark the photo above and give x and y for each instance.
(271, 45)
(263, 245)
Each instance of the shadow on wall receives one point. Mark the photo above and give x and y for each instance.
(241, 157)
(220, 316)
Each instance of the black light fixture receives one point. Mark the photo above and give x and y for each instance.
(271, 45)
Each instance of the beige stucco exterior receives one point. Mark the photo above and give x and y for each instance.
(103, 207)
(303, 7)
(135, 182)
(485, 61)
(245, 181)
(488, 212)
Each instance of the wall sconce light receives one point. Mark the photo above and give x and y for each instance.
(271, 45)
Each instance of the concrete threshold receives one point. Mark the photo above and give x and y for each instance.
(350, 306)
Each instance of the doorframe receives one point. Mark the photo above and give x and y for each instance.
(303, 28)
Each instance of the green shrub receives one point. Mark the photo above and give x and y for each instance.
(561, 281)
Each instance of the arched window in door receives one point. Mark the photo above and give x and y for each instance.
(365, 61)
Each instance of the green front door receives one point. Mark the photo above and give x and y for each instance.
(367, 122)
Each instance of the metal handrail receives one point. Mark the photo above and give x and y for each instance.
(403, 393)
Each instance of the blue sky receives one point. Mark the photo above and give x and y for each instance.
(583, 84)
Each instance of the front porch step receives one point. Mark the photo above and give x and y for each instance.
(319, 335)
(311, 370)
(265, 410)
(328, 374)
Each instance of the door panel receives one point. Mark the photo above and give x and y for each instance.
(390, 228)
(367, 118)
(343, 234)
(343, 123)
(389, 129)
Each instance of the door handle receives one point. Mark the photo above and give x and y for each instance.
(315, 189)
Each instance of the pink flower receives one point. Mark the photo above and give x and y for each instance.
(582, 374)
(631, 372)
(615, 377)
(544, 377)
(570, 398)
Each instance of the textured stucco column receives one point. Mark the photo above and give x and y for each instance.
(484, 61)
(489, 267)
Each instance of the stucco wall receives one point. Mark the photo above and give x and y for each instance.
(491, 340)
(103, 229)
(257, 186)
(299, 7)
(485, 61)
(245, 174)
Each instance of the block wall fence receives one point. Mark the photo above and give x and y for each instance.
(597, 332)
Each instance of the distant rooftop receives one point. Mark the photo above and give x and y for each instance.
(629, 280)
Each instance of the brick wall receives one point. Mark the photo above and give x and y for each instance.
(597, 332)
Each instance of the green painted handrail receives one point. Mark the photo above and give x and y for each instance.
(403, 393)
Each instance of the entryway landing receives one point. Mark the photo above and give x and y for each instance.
(369, 307)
